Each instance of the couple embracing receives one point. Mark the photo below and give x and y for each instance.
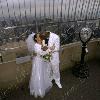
(45, 62)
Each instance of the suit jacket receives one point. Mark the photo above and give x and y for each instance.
(54, 40)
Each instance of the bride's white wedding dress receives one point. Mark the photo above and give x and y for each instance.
(40, 81)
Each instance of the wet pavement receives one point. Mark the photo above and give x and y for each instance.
(73, 88)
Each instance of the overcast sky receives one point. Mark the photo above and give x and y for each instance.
(23, 6)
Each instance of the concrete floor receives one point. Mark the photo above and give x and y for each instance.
(73, 88)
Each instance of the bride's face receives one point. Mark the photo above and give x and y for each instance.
(38, 39)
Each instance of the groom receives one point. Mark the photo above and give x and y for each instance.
(53, 43)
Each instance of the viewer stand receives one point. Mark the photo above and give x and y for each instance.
(82, 69)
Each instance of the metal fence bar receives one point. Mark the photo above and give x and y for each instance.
(40, 12)
(65, 13)
(36, 24)
(25, 12)
(14, 10)
(68, 9)
(82, 9)
(57, 10)
(97, 10)
(20, 12)
(92, 9)
(61, 10)
(53, 9)
(44, 9)
(8, 9)
(49, 7)
(30, 8)
(87, 9)
(2, 11)
(75, 9)
(35, 8)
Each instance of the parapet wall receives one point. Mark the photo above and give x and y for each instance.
(71, 53)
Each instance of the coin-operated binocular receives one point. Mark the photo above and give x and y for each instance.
(82, 70)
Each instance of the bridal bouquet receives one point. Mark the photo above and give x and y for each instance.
(47, 57)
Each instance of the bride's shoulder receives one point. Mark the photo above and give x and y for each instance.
(36, 44)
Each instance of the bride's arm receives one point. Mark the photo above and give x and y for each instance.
(39, 51)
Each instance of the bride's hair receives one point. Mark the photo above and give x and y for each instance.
(35, 36)
(40, 35)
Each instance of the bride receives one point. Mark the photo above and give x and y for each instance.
(40, 81)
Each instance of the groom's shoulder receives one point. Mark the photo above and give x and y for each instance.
(55, 35)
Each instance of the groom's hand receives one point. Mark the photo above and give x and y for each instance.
(44, 48)
(52, 47)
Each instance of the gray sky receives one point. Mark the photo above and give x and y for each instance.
(57, 7)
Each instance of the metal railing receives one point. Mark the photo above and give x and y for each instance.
(27, 11)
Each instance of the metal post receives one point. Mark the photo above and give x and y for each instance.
(83, 53)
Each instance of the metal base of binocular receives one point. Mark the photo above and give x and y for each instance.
(81, 71)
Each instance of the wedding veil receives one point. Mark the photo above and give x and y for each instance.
(30, 42)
